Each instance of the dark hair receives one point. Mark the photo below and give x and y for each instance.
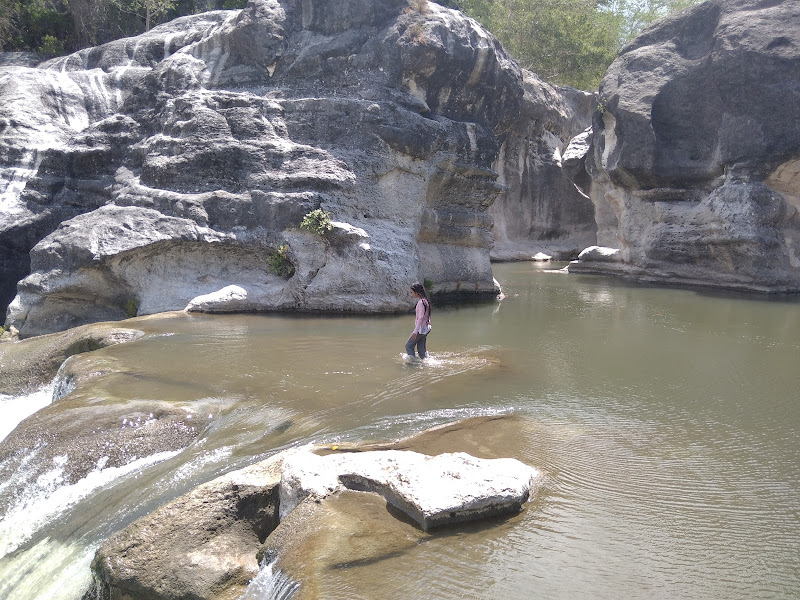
(420, 290)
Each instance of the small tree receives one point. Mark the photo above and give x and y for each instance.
(149, 10)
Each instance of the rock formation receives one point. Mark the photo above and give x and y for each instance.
(33, 363)
(540, 210)
(201, 545)
(155, 170)
(695, 156)
(206, 543)
(433, 491)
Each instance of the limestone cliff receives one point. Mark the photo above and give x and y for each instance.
(696, 150)
(147, 172)
(539, 209)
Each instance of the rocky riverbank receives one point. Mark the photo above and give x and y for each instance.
(180, 163)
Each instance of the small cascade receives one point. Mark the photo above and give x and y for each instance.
(168, 44)
(77, 61)
(17, 408)
(47, 105)
(13, 180)
(64, 382)
(270, 584)
(132, 58)
(99, 95)
(67, 100)
(119, 72)
(33, 500)
(69, 560)
(99, 101)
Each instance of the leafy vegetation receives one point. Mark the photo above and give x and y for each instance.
(317, 221)
(149, 10)
(279, 262)
(567, 42)
(131, 308)
(58, 26)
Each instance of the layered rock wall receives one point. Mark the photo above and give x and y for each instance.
(540, 210)
(153, 170)
(696, 150)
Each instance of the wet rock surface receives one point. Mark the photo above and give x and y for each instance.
(695, 150)
(200, 545)
(29, 364)
(210, 540)
(69, 447)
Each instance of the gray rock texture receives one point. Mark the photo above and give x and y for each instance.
(695, 151)
(299, 505)
(20, 59)
(156, 170)
(201, 545)
(540, 210)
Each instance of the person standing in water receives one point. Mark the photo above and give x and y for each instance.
(422, 325)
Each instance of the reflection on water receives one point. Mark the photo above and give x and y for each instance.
(665, 421)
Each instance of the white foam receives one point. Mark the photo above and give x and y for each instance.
(13, 409)
(47, 499)
(15, 178)
(49, 569)
(270, 584)
(196, 466)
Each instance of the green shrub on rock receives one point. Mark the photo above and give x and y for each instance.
(279, 262)
(317, 221)
(131, 308)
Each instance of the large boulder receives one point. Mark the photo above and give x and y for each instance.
(237, 123)
(317, 508)
(201, 545)
(433, 490)
(154, 172)
(696, 150)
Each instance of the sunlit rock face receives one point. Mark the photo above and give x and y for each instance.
(696, 151)
(154, 170)
(316, 509)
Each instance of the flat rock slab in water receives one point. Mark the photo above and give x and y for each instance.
(432, 490)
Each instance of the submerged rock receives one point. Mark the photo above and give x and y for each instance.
(314, 508)
(29, 364)
(695, 150)
(348, 529)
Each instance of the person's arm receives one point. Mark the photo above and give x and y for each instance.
(420, 321)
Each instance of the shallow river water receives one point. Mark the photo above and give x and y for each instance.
(665, 421)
